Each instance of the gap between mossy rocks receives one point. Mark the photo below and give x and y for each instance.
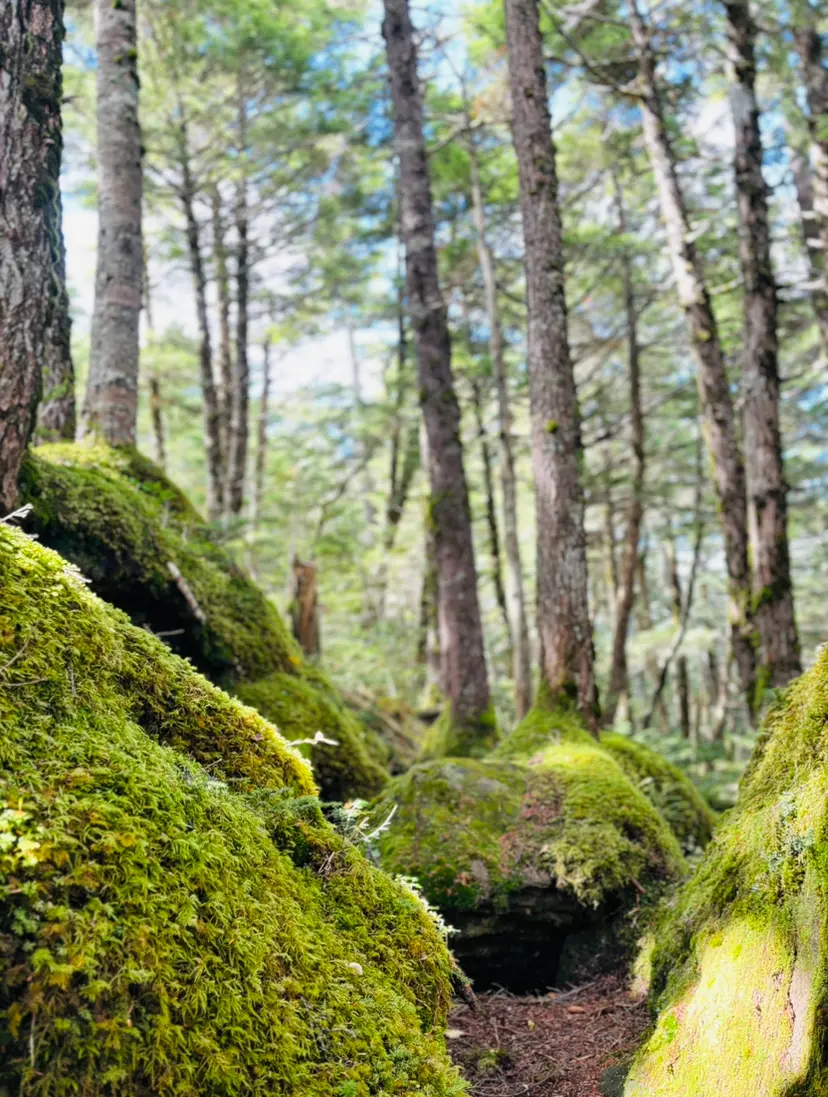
(740, 963)
(176, 916)
(123, 523)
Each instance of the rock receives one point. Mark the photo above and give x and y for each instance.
(176, 916)
(123, 523)
(738, 967)
(534, 859)
(671, 791)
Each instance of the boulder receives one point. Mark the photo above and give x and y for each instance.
(536, 855)
(176, 915)
(739, 964)
(145, 549)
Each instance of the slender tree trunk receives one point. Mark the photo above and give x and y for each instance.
(635, 515)
(304, 608)
(225, 339)
(155, 401)
(773, 607)
(717, 403)
(111, 406)
(56, 415)
(817, 264)
(238, 437)
(30, 281)
(644, 619)
(209, 396)
(682, 676)
(257, 494)
(809, 45)
(567, 670)
(515, 598)
(491, 511)
(463, 662)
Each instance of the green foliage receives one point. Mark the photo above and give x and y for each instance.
(171, 927)
(742, 952)
(116, 517)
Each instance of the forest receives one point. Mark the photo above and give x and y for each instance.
(413, 468)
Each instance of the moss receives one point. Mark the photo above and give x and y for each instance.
(667, 787)
(475, 832)
(183, 921)
(448, 737)
(115, 516)
(752, 927)
(542, 727)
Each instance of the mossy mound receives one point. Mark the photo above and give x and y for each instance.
(183, 921)
(534, 863)
(114, 515)
(667, 787)
(740, 964)
(448, 737)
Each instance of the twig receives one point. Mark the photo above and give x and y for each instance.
(187, 592)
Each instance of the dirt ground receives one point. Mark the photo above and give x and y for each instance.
(557, 1045)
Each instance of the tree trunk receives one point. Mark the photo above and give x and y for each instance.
(238, 436)
(817, 263)
(56, 415)
(155, 401)
(567, 670)
(717, 403)
(463, 664)
(491, 512)
(225, 341)
(629, 559)
(515, 598)
(212, 415)
(111, 405)
(682, 675)
(304, 608)
(809, 46)
(30, 150)
(773, 608)
(644, 619)
(257, 494)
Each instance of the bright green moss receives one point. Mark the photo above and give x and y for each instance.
(542, 727)
(450, 738)
(475, 832)
(289, 701)
(115, 516)
(174, 928)
(762, 883)
(665, 786)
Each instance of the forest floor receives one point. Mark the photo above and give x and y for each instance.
(557, 1045)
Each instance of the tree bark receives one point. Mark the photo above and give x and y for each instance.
(515, 598)
(30, 282)
(239, 410)
(155, 401)
(717, 403)
(225, 338)
(629, 560)
(773, 607)
(809, 46)
(56, 414)
(209, 396)
(111, 405)
(567, 671)
(304, 608)
(817, 264)
(257, 495)
(682, 675)
(463, 664)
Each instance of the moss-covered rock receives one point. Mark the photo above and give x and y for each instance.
(529, 859)
(667, 787)
(448, 737)
(176, 916)
(114, 515)
(740, 963)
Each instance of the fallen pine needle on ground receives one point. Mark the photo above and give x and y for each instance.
(557, 1045)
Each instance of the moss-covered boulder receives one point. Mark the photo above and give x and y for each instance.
(667, 787)
(176, 916)
(740, 964)
(534, 858)
(146, 550)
